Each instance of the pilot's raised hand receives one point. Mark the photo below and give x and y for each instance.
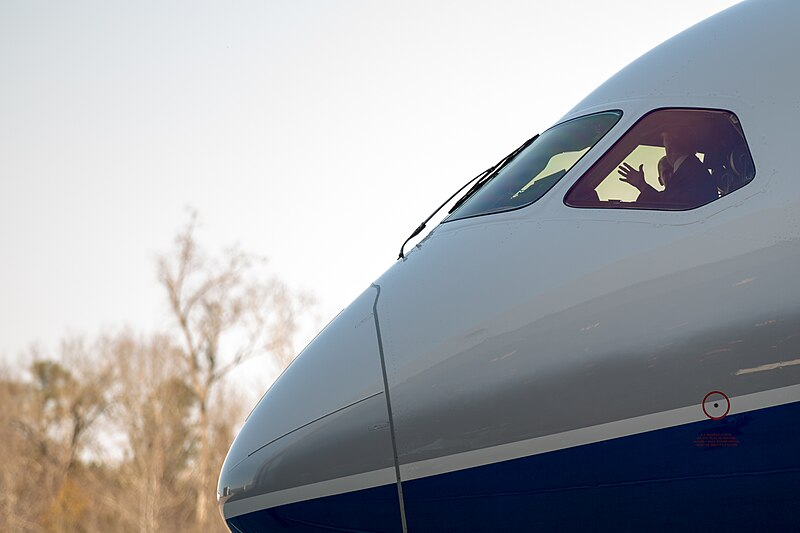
(632, 176)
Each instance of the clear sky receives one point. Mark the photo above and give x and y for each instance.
(318, 133)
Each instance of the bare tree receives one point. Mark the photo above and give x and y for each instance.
(152, 408)
(70, 392)
(17, 461)
(48, 419)
(225, 313)
(128, 432)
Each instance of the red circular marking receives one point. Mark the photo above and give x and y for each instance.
(727, 400)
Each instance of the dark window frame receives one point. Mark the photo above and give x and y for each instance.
(621, 114)
(628, 206)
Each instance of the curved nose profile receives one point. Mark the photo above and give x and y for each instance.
(319, 439)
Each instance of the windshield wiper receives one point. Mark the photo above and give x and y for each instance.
(425, 222)
(482, 178)
(490, 173)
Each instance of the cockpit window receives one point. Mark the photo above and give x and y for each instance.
(529, 175)
(671, 159)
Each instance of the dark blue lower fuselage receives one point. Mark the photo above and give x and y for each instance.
(741, 473)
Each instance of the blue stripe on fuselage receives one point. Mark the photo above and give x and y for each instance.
(741, 473)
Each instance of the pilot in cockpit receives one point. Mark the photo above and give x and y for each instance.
(686, 180)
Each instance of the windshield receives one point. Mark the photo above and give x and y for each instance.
(532, 173)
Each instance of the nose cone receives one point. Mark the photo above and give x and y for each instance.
(325, 419)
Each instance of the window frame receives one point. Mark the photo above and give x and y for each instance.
(631, 206)
(621, 114)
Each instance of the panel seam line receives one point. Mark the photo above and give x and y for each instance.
(309, 423)
(389, 409)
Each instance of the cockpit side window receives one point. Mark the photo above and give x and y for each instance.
(671, 159)
(532, 172)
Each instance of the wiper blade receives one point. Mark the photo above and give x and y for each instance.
(478, 184)
(482, 178)
(425, 222)
(491, 173)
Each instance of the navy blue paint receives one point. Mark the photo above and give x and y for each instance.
(375, 509)
(658, 481)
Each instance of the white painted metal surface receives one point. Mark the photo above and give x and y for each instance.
(546, 327)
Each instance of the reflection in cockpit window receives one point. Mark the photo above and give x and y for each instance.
(557, 163)
(672, 159)
(531, 173)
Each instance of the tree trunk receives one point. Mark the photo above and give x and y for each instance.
(203, 460)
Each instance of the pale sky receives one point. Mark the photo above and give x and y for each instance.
(317, 133)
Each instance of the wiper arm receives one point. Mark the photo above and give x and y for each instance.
(425, 222)
(481, 178)
(490, 173)
(485, 176)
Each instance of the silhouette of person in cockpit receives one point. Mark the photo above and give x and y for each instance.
(687, 182)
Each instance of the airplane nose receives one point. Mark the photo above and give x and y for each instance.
(322, 429)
